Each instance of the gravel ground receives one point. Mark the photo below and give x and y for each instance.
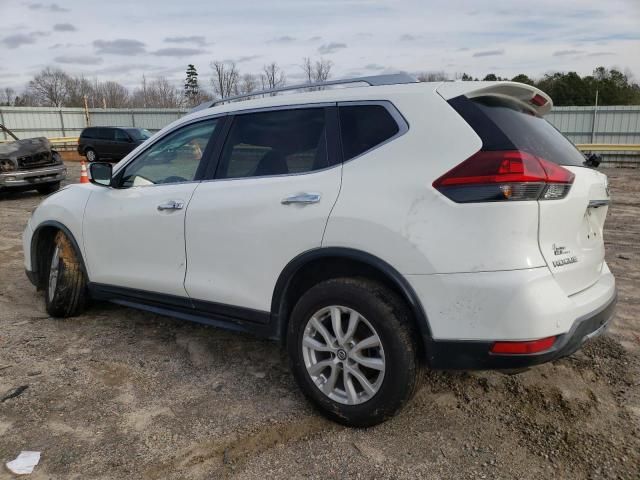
(118, 393)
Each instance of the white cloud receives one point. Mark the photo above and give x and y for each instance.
(411, 35)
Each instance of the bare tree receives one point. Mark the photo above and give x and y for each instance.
(27, 99)
(272, 76)
(50, 87)
(248, 83)
(9, 97)
(77, 89)
(318, 71)
(114, 94)
(433, 76)
(225, 78)
(158, 93)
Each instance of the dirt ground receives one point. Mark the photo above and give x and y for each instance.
(118, 393)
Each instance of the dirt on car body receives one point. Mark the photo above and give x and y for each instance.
(118, 393)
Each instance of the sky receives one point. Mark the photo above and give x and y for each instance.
(124, 40)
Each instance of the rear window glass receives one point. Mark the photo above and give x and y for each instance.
(363, 127)
(527, 132)
(105, 134)
(88, 133)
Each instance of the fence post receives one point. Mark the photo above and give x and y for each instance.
(595, 112)
(86, 112)
(62, 123)
(2, 122)
(133, 118)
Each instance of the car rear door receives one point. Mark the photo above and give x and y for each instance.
(277, 178)
(122, 143)
(134, 233)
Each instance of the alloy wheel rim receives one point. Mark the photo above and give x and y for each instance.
(91, 156)
(53, 272)
(343, 355)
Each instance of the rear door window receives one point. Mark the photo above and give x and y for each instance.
(364, 127)
(105, 133)
(279, 142)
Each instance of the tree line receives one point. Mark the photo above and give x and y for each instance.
(53, 87)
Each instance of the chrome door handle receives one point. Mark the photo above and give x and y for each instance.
(171, 205)
(303, 198)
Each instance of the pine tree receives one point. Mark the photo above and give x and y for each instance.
(191, 88)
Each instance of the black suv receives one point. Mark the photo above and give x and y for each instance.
(110, 143)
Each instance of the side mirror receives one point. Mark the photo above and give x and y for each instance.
(593, 160)
(101, 173)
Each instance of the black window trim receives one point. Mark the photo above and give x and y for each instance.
(210, 151)
(334, 153)
(403, 125)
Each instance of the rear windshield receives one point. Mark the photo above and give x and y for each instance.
(505, 125)
(138, 133)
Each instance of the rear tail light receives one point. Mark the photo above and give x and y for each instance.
(523, 348)
(511, 175)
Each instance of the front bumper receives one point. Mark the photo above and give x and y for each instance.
(33, 178)
(475, 355)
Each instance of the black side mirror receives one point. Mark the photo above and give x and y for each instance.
(100, 173)
(593, 160)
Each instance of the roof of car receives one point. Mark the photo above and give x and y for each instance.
(382, 92)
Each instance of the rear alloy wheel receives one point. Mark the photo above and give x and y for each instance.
(343, 355)
(92, 156)
(65, 287)
(352, 350)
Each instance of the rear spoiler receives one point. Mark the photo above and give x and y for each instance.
(530, 97)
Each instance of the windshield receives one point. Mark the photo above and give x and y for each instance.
(138, 133)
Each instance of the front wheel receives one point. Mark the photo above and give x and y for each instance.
(91, 155)
(352, 351)
(66, 286)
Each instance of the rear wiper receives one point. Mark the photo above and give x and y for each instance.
(592, 161)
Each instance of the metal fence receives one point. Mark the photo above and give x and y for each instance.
(583, 125)
(616, 125)
(28, 122)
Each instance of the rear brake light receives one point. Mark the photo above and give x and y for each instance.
(490, 176)
(523, 348)
(538, 100)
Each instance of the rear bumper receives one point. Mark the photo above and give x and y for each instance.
(475, 355)
(35, 177)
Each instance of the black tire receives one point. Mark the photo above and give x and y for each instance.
(68, 296)
(48, 188)
(92, 155)
(392, 322)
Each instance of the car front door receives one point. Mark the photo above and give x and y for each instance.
(277, 178)
(134, 231)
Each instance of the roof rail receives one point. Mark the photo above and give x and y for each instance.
(372, 81)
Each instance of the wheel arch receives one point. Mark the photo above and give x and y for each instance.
(313, 266)
(45, 232)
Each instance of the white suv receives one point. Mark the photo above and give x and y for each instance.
(371, 229)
